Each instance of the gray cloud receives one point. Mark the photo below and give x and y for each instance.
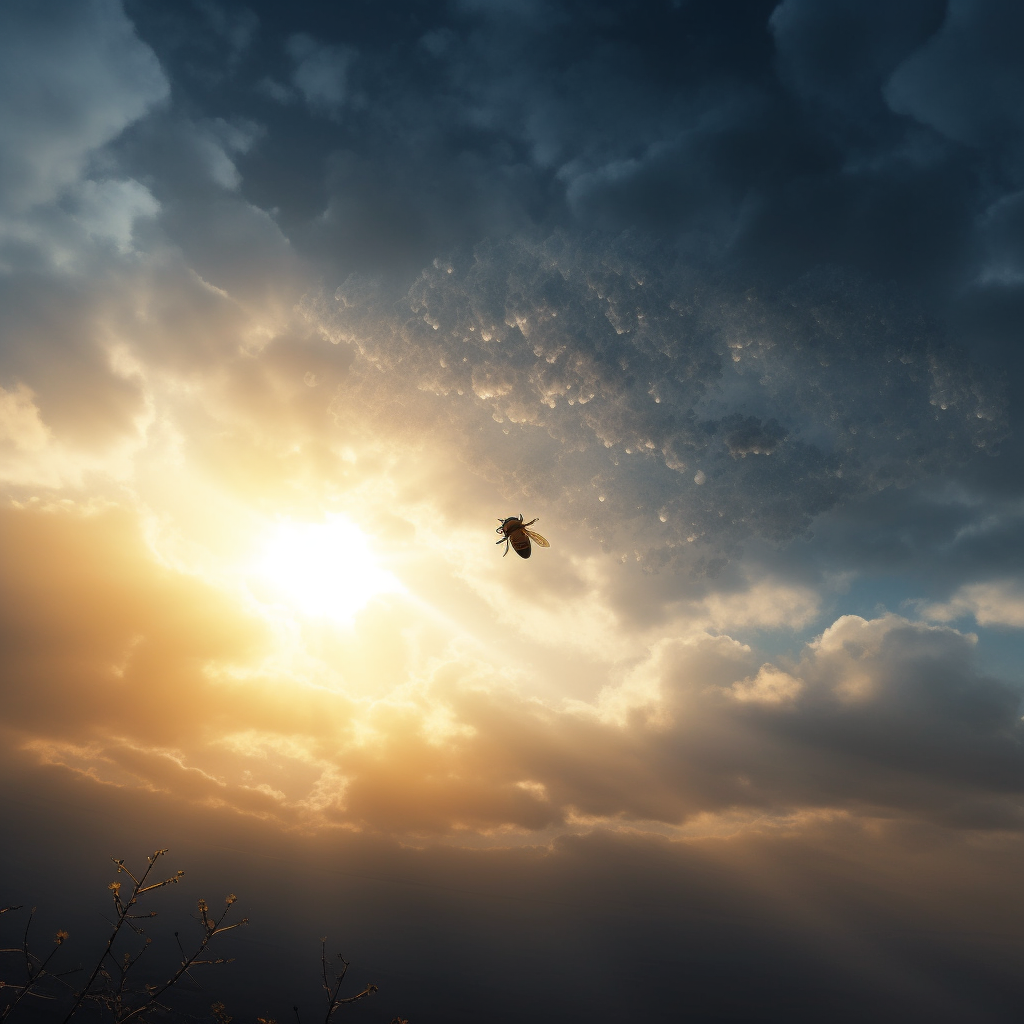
(874, 715)
(320, 73)
(842, 57)
(961, 82)
(636, 374)
(74, 76)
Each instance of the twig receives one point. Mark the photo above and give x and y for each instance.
(35, 969)
(122, 908)
(213, 927)
(333, 1002)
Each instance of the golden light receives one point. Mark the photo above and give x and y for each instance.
(324, 569)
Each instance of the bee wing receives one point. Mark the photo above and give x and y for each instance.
(537, 538)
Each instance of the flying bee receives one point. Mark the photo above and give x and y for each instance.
(514, 531)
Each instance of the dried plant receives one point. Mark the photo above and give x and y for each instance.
(36, 970)
(112, 985)
(109, 984)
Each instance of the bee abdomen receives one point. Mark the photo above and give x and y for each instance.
(521, 543)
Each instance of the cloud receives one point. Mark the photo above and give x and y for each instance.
(1000, 233)
(320, 73)
(769, 686)
(596, 377)
(75, 76)
(972, 48)
(237, 27)
(766, 604)
(763, 919)
(109, 209)
(841, 57)
(152, 678)
(995, 603)
(618, 375)
(730, 298)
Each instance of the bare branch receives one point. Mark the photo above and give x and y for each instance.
(368, 991)
(110, 987)
(122, 914)
(35, 969)
(334, 1002)
(213, 926)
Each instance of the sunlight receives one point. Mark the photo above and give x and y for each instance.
(325, 569)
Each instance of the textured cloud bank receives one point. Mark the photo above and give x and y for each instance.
(150, 679)
(646, 400)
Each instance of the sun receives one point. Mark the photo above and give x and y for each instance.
(324, 570)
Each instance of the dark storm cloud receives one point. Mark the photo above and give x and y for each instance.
(755, 143)
(687, 409)
(962, 80)
(732, 130)
(320, 73)
(777, 135)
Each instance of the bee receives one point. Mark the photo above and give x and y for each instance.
(514, 531)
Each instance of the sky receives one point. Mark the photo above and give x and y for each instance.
(298, 301)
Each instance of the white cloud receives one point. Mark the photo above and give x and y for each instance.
(109, 209)
(995, 603)
(20, 424)
(770, 686)
(764, 605)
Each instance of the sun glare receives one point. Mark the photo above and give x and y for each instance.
(324, 569)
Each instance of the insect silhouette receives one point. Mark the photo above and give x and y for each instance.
(514, 531)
